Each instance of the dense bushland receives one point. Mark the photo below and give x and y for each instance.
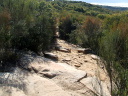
(114, 49)
(25, 25)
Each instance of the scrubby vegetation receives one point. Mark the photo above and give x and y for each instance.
(25, 25)
(30, 25)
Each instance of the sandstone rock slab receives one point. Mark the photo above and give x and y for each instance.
(97, 86)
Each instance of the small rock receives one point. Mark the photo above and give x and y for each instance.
(50, 56)
(102, 67)
(60, 48)
(95, 57)
(77, 65)
(57, 35)
(66, 59)
(45, 70)
(65, 50)
(85, 61)
(81, 63)
(81, 50)
(84, 50)
(87, 51)
(48, 74)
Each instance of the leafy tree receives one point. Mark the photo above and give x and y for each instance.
(92, 29)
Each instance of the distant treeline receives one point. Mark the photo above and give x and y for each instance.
(115, 8)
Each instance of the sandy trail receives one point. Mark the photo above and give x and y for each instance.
(86, 62)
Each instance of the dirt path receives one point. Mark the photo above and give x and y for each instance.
(87, 62)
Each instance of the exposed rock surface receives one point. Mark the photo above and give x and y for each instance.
(74, 74)
(96, 86)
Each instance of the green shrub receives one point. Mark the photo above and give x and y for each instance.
(25, 24)
(92, 30)
(114, 49)
(66, 27)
